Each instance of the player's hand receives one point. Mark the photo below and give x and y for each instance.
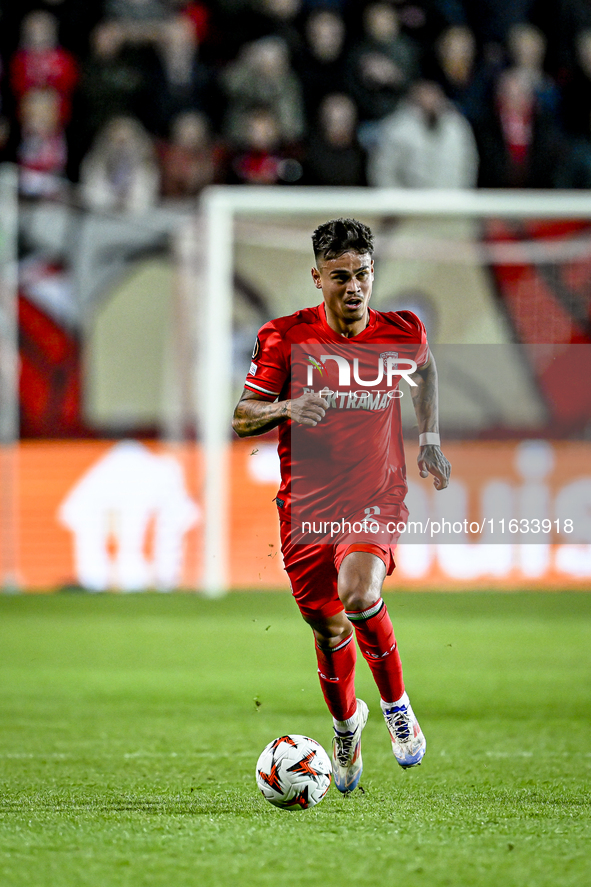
(432, 461)
(309, 409)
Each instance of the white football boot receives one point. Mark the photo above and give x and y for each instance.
(408, 743)
(347, 765)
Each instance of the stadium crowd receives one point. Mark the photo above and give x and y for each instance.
(139, 100)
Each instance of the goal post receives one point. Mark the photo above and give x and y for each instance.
(222, 208)
(213, 387)
(9, 411)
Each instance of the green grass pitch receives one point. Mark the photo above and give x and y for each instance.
(130, 726)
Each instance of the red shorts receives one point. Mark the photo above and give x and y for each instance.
(313, 571)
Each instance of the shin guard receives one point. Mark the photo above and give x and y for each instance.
(375, 636)
(336, 670)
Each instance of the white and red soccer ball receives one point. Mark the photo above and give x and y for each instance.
(294, 772)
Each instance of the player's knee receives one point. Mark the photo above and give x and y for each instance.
(332, 632)
(360, 580)
(355, 603)
(356, 594)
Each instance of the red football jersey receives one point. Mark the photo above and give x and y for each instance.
(354, 458)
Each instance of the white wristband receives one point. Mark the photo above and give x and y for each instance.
(429, 437)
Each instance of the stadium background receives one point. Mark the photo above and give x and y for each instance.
(110, 250)
(131, 723)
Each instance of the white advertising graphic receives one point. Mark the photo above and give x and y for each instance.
(127, 496)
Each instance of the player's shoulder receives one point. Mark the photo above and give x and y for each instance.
(401, 323)
(289, 325)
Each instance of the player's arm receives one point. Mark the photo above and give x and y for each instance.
(425, 401)
(255, 415)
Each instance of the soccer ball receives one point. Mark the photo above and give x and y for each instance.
(294, 772)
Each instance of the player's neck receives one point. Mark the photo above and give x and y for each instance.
(343, 328)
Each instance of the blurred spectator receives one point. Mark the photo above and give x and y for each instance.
(262, 158)
(113, 83)
(519, 142)
(280, 18)
(333, 153)
(321, 64)
(198, 14)
(457, 71)
(577, 90)
(491, 21)
(278, 10)
(262, 75)
(138, 22)
(287, 56)
(178, 82)
(527, 50)
(381, 67)
(577, 118)
(422, 20)
(245, 21)
(563, 21)
(425, 143)
(42, 152)
(120, 170)
(74, 21)
(136, 10)
(41, 63)
(190, 160)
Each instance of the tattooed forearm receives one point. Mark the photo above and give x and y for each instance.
(255, 416)
(252, 416)
(424, 397)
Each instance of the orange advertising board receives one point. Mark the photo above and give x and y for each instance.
(104, 514)
(47, 474)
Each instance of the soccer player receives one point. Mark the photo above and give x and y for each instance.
(337, 582)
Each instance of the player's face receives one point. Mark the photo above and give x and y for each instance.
(346, 284)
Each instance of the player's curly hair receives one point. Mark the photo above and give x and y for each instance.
(331, 239)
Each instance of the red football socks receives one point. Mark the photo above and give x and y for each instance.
(336, 670)
(375, 636)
